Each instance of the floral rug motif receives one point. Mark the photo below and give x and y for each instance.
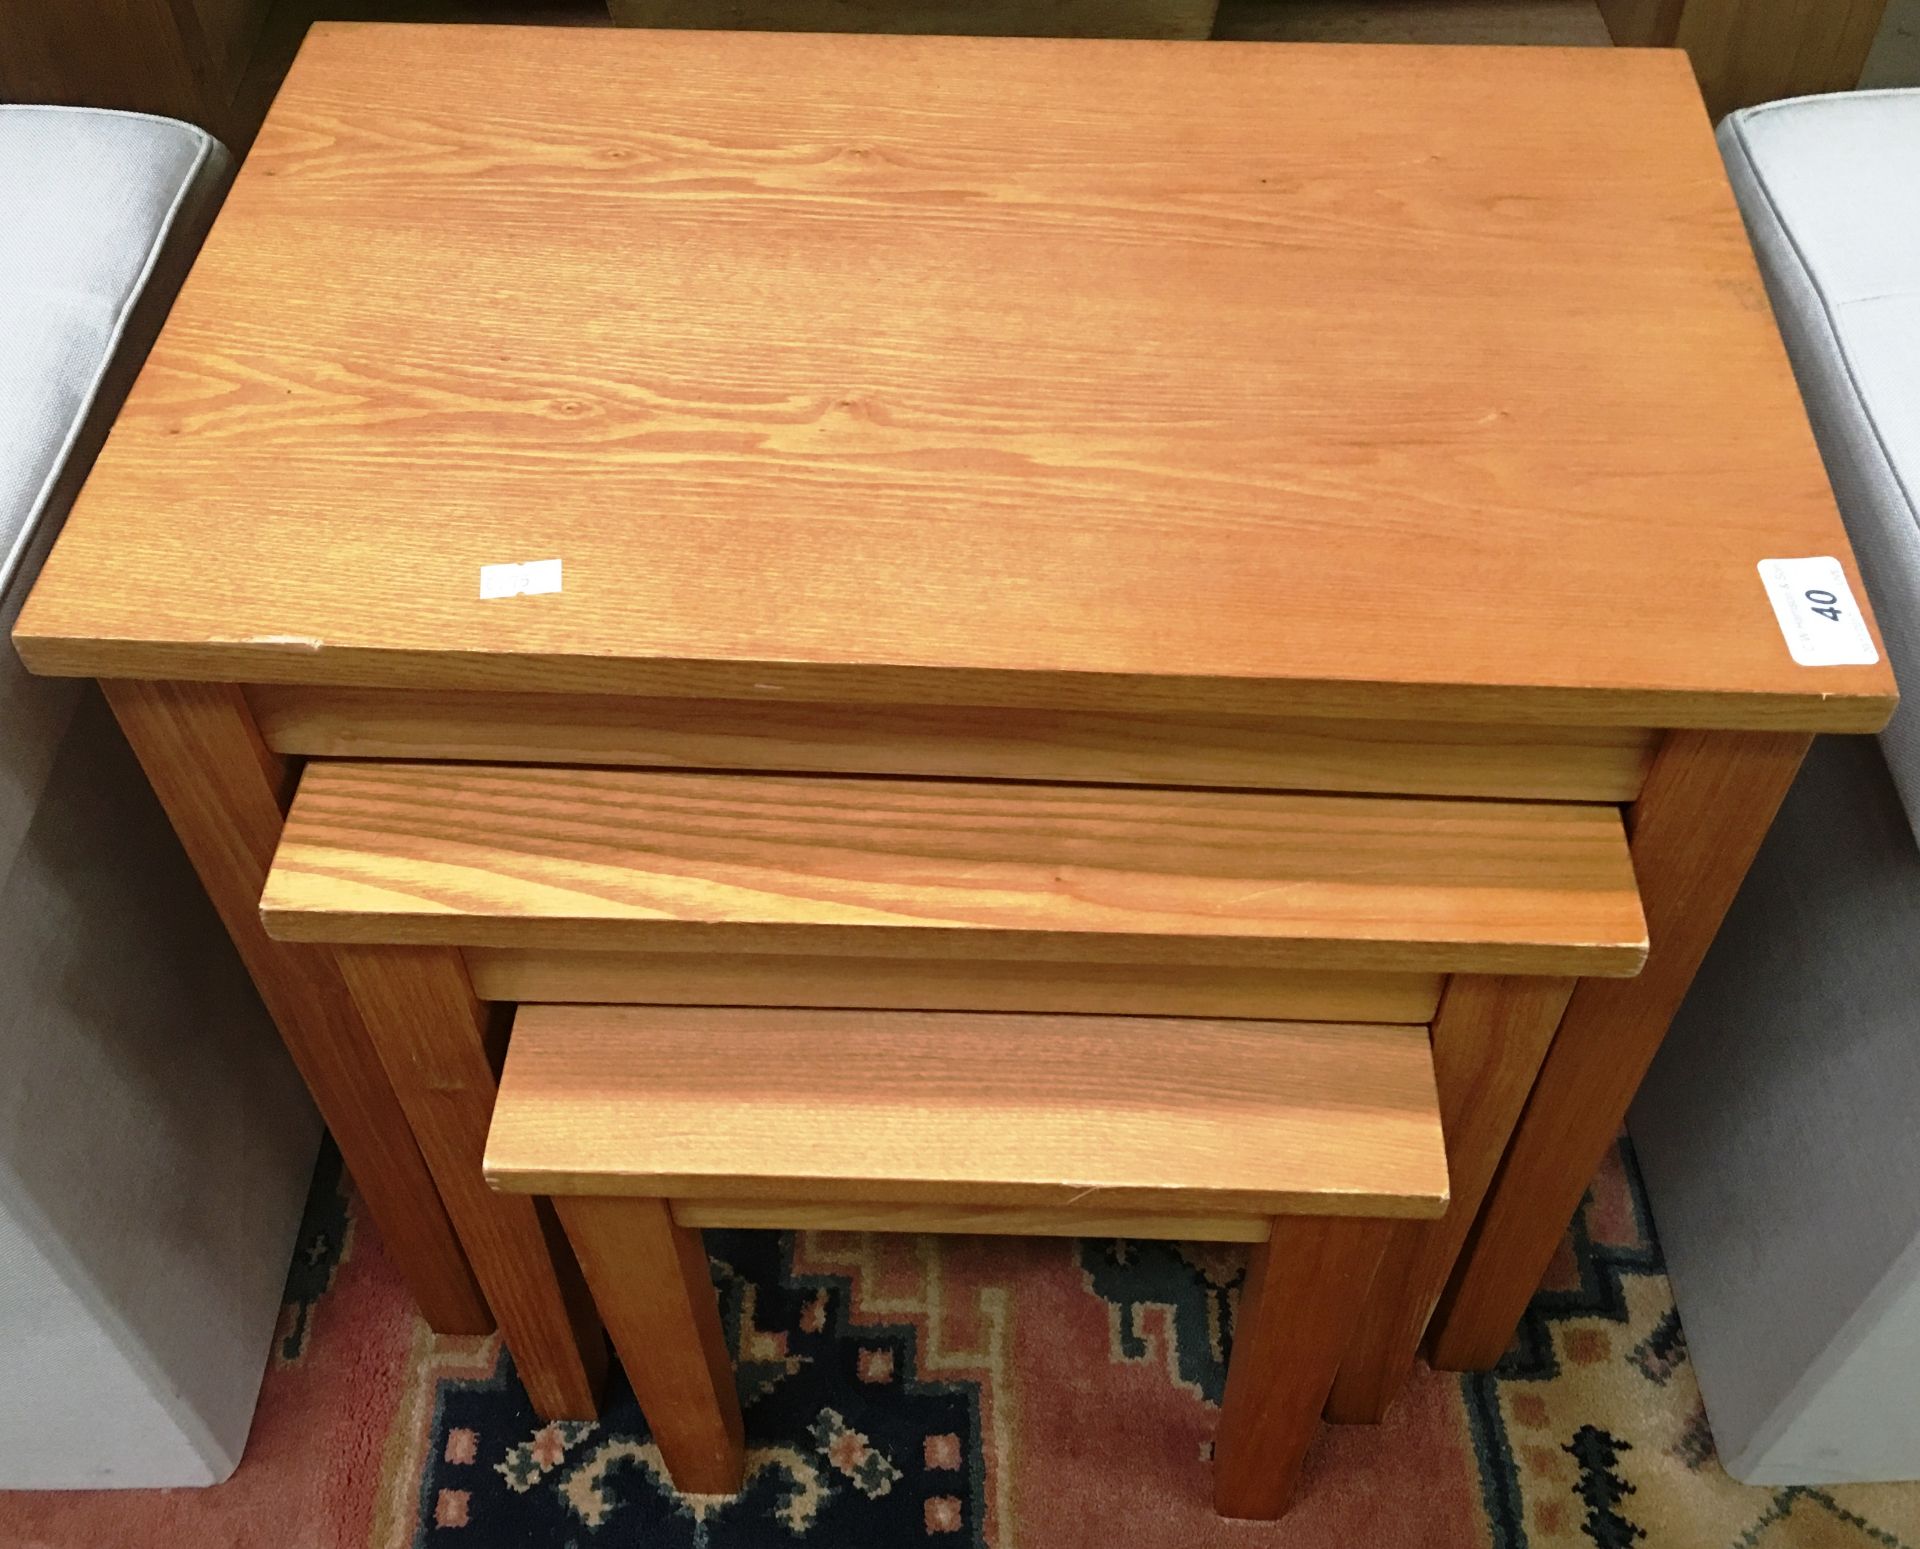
(846, 1442)
(978, 1392)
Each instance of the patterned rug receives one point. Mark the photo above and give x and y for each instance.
(971, 1393)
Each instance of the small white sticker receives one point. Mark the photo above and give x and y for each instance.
(1817, 613)
(528, 580)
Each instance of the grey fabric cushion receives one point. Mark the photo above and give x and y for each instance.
(1830, 187)
(100, 214)
(90, 203)
(154, 1141)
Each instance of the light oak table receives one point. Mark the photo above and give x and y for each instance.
(1374, 424)
(637, 1125)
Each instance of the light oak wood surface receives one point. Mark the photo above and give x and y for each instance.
(1461, 758)
(1708, 804)
(520, 856)
(1416, 383)
(936, 984)
(223, 791)
(1162, 1116)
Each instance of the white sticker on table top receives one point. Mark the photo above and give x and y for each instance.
(526, 580)
(1817, 613)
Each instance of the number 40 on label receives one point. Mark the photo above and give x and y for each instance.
(1824, 603)
(1814, 607)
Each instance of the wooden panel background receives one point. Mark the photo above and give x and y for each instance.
(979, 18)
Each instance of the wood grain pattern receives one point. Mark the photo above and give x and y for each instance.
(481, 854)
(1303, 1291)
(1339, 430)
(935, 984)
(1707, 806)
(976, 18)
(433, 1038)
(222, 789)
(1488, 1042)
(650, 1280)
(1122, 1114)
(1748, 51)
(1566, 763)
(971, 1220)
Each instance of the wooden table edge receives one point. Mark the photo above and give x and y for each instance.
(316, 665)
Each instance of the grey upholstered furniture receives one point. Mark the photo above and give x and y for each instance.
(155, 1144)
(1779, 1131)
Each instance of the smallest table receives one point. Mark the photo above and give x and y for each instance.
(637, 1122)
(1385, 425)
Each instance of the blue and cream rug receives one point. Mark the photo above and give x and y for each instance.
(975, 1392)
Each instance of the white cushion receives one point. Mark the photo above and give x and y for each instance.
(1830, 187)
(99, 213)
(155, 1142)
(89, 201)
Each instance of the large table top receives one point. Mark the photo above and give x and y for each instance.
(1229, 376)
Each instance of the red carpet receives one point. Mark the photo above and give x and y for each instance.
(985, 1392)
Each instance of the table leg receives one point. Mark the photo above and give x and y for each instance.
(649, 1274)
(1304, 1290)
(1708, 803)
(433, 1035)
(222, 788)
(1488, 1042)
